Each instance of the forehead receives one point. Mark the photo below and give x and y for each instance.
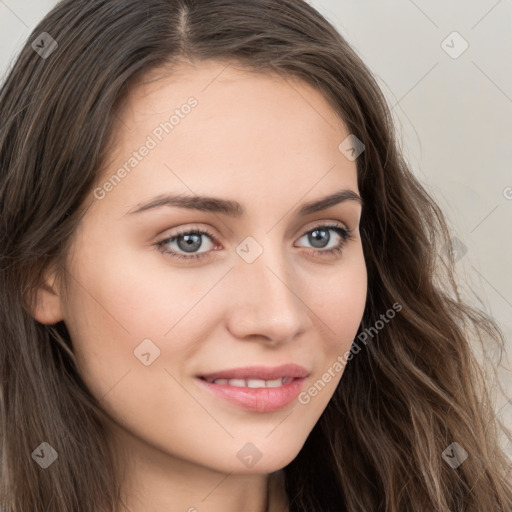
(247, 130)
(228, 93)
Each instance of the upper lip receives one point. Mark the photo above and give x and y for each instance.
(259, 372)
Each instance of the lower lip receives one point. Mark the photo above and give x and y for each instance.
(257, 399)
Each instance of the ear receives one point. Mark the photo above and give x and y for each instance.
(47, 307)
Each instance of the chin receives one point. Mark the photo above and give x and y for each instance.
(263, 458)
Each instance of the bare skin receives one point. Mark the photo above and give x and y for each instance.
(272, 145)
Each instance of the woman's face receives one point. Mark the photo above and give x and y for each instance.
(260, 289)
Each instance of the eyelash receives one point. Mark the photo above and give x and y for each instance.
(344, 233)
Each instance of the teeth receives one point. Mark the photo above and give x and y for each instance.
(252, 383)
(238, 383)
(255, 383)
(275, 383)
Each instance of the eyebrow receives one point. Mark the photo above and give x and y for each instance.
(234, 208)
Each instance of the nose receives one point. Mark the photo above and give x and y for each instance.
(267, 301)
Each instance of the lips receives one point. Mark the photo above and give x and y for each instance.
(256, 388)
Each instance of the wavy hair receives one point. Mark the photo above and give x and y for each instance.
(404, 398)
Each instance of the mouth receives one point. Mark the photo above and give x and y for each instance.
(251, 383)
(257, 389)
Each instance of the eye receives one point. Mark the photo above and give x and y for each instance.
(187, 242)
(190, 240)
(320, 237)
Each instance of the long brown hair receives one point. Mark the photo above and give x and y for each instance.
(413, 388)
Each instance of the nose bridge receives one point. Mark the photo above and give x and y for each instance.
(270, 278)
(266, 301)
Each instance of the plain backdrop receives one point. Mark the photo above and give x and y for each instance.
(446, 71)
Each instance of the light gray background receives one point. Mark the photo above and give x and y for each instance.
(454, 116)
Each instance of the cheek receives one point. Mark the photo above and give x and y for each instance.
(119, 302)
(339, 310)
(340, 303)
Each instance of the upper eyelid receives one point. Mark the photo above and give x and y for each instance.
(309, 226)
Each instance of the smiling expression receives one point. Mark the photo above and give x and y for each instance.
(234, 259)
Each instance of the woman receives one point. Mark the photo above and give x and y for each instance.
(174, 329)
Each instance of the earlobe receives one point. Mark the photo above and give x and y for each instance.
(47, 307)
